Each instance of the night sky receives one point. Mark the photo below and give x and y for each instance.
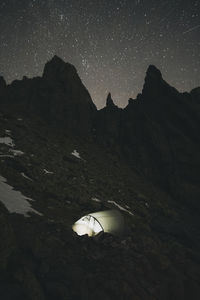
(110, 42)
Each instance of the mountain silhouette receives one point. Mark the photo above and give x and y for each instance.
(157, 133)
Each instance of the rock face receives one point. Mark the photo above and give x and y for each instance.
(58, 96)
(158, 135)
(143, 159)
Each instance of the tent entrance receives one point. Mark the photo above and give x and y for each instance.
(87, 225)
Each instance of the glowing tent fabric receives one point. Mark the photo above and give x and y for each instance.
(110, 221)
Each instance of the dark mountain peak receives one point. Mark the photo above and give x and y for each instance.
(57, 59)
(109, 101)
(154, 85)
(2, 82)
(58, 70)
(59, 97)
(153, 73)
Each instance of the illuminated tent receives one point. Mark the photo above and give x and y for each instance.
(110, 221)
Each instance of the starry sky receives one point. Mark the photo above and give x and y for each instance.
(110, 42)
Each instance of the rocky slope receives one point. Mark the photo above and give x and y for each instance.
(158, 133)
(58, 150)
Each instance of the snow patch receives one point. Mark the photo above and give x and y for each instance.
(6, 155)
(95, 199)
(127, 206)
(120, 207)
(25, 176)
(47, 172)
(16, 152)
(7, 140)
(15, 201)
(76, 154)
(8, 132)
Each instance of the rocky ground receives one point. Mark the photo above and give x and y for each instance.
(41, 257)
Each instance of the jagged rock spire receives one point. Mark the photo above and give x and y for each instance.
(2, 82)
(154, 84)
(153, 73)
(109, 101)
